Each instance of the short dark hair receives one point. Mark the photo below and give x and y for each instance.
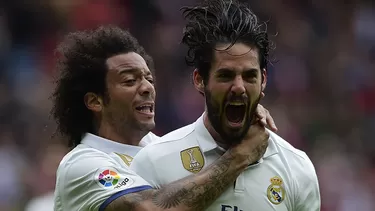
(215, 21)
(82, 68)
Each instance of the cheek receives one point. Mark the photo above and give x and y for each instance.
(216, 99)
(218, 92)
(254, 89)
(122, 98)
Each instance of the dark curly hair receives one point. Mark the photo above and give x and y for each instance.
(215, 21)
(82, 67)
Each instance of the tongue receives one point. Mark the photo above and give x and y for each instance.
(235, 114)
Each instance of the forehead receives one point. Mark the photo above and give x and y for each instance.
(129, 60)
(239, 57)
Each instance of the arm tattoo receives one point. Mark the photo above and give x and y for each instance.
(195, 192)
(196, 195)
(131, 201)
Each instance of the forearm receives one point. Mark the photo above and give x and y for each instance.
(195, 192)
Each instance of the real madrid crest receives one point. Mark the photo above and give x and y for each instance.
(192, 159)
(276, 191)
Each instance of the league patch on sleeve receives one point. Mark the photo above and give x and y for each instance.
(110, 178)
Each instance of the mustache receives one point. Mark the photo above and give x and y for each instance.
(243, 98)
(147, 98)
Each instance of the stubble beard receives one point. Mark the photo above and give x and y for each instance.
(215, 117)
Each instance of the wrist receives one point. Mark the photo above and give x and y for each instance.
(239, 159)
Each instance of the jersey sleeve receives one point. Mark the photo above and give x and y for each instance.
(308, 194)
(92, 181)
(142, 164)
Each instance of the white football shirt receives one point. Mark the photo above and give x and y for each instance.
(283, 180)
(96, 172)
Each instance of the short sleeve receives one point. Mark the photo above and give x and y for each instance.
(91, 180)
(308, 194)
(142, 164)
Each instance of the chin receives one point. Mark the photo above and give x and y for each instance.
(233, 136)
(147, 125)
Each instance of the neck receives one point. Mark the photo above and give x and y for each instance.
(215, 135)
(123, 137)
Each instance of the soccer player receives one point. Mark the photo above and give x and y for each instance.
(104, 103)
(228, 47)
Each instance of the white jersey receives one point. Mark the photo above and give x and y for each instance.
(96, 172)
(283, 180)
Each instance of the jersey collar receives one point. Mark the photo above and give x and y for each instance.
(207, 143)
(108, 146)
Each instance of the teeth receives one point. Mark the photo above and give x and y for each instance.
(145, 108)
(236, 104)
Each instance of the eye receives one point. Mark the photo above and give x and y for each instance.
(251, 76)
(224, 75)
(130, 82)
(151, 80)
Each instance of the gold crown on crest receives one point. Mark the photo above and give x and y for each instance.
(276, 180)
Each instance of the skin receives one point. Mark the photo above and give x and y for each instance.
(130, 84)
(235, 76)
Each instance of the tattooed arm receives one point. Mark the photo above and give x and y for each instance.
(194, 192)
(198, 191)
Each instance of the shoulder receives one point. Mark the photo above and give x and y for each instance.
(81, 158)
(288, 150)
(87, 178)
(176, 137)
(84, 165)
(300, 163)
(169, 144)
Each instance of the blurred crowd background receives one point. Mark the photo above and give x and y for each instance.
(321, 87)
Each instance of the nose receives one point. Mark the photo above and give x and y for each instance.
(146, 88)
(238, 87)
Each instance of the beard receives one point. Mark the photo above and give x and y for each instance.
(216, 113)
(123, 121)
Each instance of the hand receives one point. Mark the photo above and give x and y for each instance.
(253, 146)
(264, 118)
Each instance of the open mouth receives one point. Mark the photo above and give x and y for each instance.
(146, 108)
(235, 113)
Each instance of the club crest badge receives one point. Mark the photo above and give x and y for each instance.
(276, 191)
(192, 159)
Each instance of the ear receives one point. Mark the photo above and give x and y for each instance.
(198, 81)
(264, 79)
(93, 102)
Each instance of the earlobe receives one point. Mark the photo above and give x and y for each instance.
(93, 102)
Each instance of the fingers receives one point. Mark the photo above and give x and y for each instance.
(265, 118)
(271, 122)
(261, 115)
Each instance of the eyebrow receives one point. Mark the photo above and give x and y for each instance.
(221, 70)
(133, 70)
(251, 70)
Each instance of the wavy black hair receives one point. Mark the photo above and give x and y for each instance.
(221, 21)
(82, 67)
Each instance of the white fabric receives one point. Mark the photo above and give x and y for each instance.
(96, 172)
(161, 163)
